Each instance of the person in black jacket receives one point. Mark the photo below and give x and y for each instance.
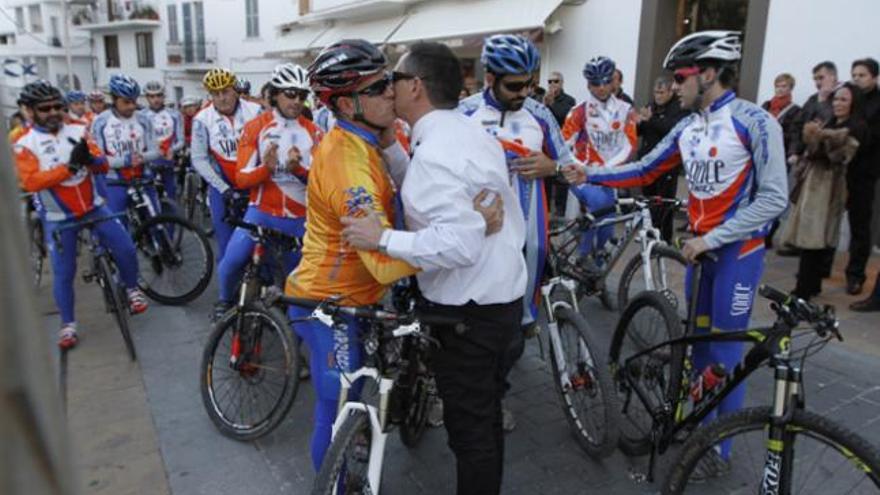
(861, 176)
(617, 87)
(655, 121)
(560, 103)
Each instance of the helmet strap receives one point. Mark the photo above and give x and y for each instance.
(359, 114)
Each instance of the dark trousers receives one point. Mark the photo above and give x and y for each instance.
(860, 206)
(662, 216)
(469, 368)
(810, 272)
(557, 192)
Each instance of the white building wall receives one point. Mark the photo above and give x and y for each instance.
(128, 59)
(594, 28)
(802, 33)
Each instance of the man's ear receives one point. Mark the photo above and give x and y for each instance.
(490, 79)
(345, 106)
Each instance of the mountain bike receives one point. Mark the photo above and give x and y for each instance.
(194, 195)
(657, 266)
(36, 238)
(781, 449)
(103, 270)
(250, 366)
(175, 257)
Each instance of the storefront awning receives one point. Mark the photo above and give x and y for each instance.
(298, 40)
(375, 31)
(446, 19)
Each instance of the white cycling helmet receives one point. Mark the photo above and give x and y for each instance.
(290, 76)
(190, 100)
(154, 88)
(709, 46)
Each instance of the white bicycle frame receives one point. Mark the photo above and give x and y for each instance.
(553, 327)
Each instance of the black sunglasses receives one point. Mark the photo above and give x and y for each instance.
(516, 87)
(379, 87)
(403, 76)
(302, 94)
(57, 107)
(552, 81)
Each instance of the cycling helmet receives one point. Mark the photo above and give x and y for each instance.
(124, 86)
(711, 46)
(218, 78)
(154, 88)
(190, 100)
(510, 54)
(341, 67)
(75, 96)
(39, 91)
(599, 70)
(96, 95)
(289, 76)
(242, 86)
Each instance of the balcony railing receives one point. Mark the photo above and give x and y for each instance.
(197, 52)
(138, 11)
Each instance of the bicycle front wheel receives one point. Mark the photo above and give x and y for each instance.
(345, 468)
(824, 457)
(249, 372)
(588, 399)
(667, 268)
(175, 259)
(118, 303)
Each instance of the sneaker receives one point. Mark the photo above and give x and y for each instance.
(435, 415)
(220, 309)
(137, 301)
(508, 422)
(712, 465)
(67, 338)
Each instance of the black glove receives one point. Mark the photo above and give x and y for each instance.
(230, 196)
(79, 156)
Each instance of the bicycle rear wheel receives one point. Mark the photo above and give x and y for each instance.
(344, 470)
(588, 400)
(249, 372)
(647, 321)
(414, 390)
(827, 458)
(668, 269)
(175, 257)
(118, 299)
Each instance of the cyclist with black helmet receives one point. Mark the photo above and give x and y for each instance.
(125, 137)
(274, 157)
(167, 132)
(214, 147)
(56, 161)
(734, 158)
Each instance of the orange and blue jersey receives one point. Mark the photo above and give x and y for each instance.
(41, 159)
(734, 162)
(282, 193)
(214, 145)
(348, 177)
(601, 132)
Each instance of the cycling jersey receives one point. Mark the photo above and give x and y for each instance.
(214, 144)
(281, 193)
(735, 166)
(601, 132)
(85, 119)
(41, 158)
(119, 138)
(348, 175)
(167, 130)
(532, 128)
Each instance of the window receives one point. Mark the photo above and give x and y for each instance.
(53, 25)
(19, 19)
(199, 21)
(111, 51)
(36, 18)
(7, 39)
(173, 35)
(188, 51)
(144, 49)
(193, 32)
(252, 18)
(178, 94)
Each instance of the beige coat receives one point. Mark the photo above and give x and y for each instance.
(819, 195)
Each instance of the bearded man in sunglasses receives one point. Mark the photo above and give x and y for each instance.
(734, 158)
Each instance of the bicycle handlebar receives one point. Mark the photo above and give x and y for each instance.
(133, 182)
(266, 232)
(822, 318)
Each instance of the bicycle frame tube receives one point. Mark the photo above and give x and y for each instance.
(553, 327)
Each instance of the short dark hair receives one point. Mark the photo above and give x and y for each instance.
(827, 65)
(726, 71)
(619, 74)
(439, 70)
(868, 63)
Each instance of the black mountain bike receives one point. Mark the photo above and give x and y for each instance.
(193, 195)
(103, 270)
(781, 449)
(175, 258)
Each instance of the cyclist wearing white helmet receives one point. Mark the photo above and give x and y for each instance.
(168, 133)
(189, 107)
(97, 101)
(734, 158)
(274, 156)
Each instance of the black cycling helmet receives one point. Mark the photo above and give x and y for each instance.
(342, 66)
(717, 47)
(38, 92)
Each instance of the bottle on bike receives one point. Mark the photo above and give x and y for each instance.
(167, 132)
(216, 130)
(57, 161)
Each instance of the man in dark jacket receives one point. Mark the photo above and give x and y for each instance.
(560, 103)
(655, 121)
(861, 179)
(617, 87)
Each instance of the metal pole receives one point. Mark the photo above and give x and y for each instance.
(67, 54)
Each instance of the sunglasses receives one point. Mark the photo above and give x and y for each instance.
(379, 87)
(552, 81)
(516, 87)
(403, 76)
(57, 107)
(681, 75)
(293, 94)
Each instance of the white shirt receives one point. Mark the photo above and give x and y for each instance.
(453, 160)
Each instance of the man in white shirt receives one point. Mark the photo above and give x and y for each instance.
(464, 273)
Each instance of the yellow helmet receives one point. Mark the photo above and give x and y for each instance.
(218, 78)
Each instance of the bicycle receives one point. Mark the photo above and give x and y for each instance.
(37, 253)
(194, 195)
(238, 356)
(168, 248)
(354, 461)
(103, 271)
(580, 373)
(659, 377)
(662, 266)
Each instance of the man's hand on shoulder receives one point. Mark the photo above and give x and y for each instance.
(493, 212)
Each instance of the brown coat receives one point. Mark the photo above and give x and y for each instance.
(819, 195)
